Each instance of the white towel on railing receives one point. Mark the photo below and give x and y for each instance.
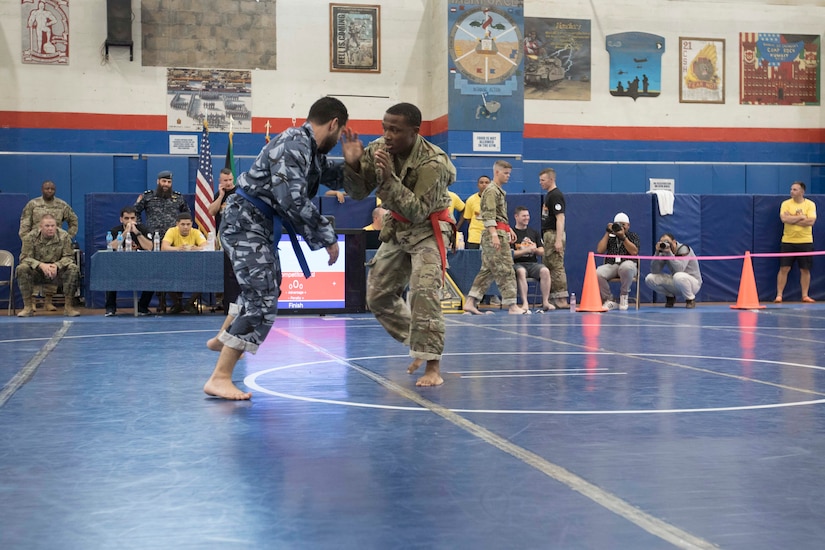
(665, 200)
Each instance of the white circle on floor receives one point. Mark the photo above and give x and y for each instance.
(251, 383)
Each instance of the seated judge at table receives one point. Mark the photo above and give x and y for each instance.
(140, 241)
(183, 237)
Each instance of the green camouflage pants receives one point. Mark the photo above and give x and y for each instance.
(496, 265)
(555, 263)
(421, 324)
(28, 276)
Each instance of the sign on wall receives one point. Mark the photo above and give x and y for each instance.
(779, 69)
(45, 31)
(221, 97)
(556, 58)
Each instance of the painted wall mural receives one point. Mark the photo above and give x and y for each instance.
(635, 64)
(486, 66)
(45, 31)
(779, 69)
(557, 56)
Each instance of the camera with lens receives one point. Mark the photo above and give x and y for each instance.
(664, 245)
(616, 227)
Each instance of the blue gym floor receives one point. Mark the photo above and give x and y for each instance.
(657, 428)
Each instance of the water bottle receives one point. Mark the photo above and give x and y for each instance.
(109, 240)
(127, 246)
(459, 241)
(572, 302)
(210, 241)
(156, 242)
(120, 241)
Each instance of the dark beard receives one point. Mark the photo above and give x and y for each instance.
(327, 145)
(163, 193)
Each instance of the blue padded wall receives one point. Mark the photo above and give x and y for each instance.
(586, 218)
(351, 214)
(11, 205)
(767, 235)
(531, 201)
(726, 227)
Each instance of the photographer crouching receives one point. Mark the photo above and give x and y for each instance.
(684, 277)
(617, 240)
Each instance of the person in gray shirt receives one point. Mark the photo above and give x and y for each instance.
(684, 278)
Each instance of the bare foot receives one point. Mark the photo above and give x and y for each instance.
(224, 389)
(547, 306)
(214, 344)
(470, 306)
(516, 310)
(432, 374)
(414, 365)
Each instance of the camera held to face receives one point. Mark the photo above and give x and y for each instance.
(664, 246)
(616, 227)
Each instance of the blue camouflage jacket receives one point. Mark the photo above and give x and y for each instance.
(286, 176)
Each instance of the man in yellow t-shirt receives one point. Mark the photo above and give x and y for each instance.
(799, 215)
(472, 208)
(183, 237)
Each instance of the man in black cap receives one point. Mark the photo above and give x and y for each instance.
(162, 207)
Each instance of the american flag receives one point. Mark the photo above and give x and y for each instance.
(204, 185)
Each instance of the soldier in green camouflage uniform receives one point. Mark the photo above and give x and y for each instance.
(410, 176)
(46, 257)
(34, 210)
(496, 256)
(47, 204)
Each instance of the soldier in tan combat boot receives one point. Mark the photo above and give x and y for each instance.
(47, 258)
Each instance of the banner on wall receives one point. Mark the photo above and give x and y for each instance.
(222, 98)
(779, 69)
(556, 58)
(635, 64)
(45, 31)
(486, 66)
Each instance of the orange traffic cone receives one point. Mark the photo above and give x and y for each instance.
(591, 297)
(748, 297)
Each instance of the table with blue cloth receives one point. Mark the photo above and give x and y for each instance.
(168, 271)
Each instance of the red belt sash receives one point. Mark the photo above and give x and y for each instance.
(503, 226)
(435, 217)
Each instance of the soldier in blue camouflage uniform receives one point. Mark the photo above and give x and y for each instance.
(162, 207)
(496, 256)
(410, 176)
(46, 257)
(284, 177)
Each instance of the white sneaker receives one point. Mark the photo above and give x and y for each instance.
(623, 302)
(609, 304)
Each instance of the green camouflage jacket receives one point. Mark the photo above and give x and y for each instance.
(493, 205)
(37, 249)
(35, 208)
(418, 189)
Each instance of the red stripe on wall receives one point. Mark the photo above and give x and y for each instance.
(89, 121)
(636, 133)
(81, 121)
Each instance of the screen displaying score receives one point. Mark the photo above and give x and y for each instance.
(326, 289)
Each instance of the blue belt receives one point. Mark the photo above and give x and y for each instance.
(277, 224)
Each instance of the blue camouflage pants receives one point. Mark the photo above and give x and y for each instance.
(247, 237)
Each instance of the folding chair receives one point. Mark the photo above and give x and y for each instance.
(635, 281)
(7, 260)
